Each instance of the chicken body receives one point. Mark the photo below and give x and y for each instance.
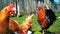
(4, 19)
(42, 17)
(14, 26)
(23, 28)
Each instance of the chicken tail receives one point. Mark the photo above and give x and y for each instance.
(29, 17)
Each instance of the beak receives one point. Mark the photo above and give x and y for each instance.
(14, 8)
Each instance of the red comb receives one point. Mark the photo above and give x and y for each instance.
(39, 8)
(11, 6)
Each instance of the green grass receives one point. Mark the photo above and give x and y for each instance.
(54, 29)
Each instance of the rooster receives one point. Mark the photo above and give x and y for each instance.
(45, 18)
(4, 18)
(23, 28)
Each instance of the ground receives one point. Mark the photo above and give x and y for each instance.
(54, 29)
